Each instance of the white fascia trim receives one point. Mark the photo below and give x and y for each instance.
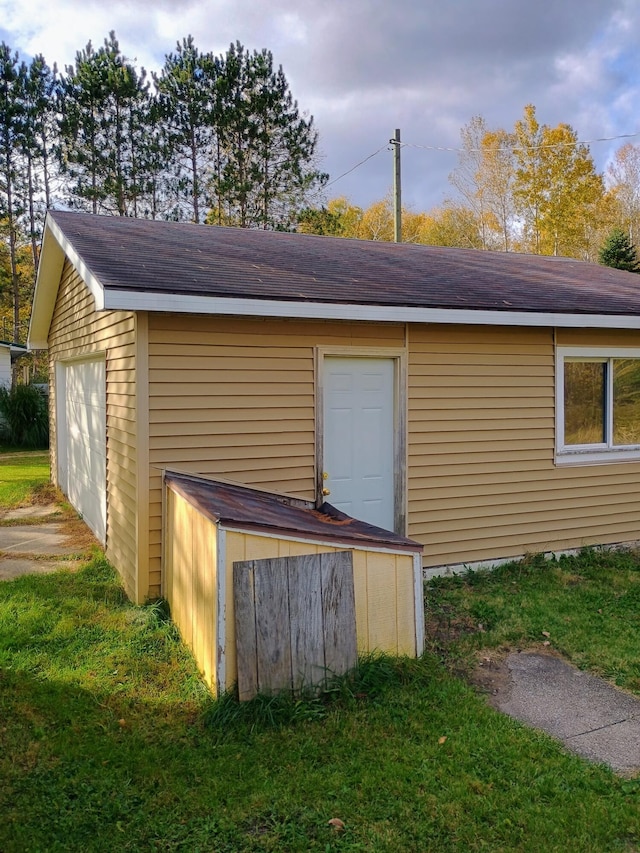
(95, 287)
(179, 303)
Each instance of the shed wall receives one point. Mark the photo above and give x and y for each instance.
(383, 585)
(481, 475)
(78, 330)
(191, 578)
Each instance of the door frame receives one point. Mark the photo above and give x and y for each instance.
(399, 358)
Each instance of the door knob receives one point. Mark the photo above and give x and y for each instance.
(326, 492)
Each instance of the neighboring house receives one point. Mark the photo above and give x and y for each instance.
(8, 354)
(486, 405)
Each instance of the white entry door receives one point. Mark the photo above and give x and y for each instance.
(81, 440)
(358, 437)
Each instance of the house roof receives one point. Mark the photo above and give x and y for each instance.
(138, 264)
(14, 348)
(243, 508)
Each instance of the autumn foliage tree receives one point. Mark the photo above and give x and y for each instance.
(556, 186)
(623, 178)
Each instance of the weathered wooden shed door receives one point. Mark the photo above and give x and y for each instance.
(358, 437)
(295, 621)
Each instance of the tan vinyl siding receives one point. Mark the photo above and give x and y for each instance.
(78, 330)
(482, 483)
(235, 398)
(597, 338)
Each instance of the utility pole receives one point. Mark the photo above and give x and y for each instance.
(397, 189)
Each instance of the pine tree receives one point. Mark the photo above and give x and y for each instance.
(12, 120)
(38, 140)
(103, 108)
(186, 88)
(267, 149)
(618, 251)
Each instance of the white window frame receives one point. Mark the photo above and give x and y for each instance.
(591, 454)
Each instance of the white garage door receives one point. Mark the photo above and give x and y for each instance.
(82, 440)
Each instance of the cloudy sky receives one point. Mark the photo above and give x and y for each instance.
(365, 67)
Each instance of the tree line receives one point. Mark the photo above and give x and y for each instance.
(217, 139)
(532, 189)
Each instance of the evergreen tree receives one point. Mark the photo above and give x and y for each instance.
(186, 88)
(267, 149)
(102, 129)
(618, 251)
(38, 141)
(12, 120)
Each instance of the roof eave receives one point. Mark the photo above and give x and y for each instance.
(55, 247)
(120, 299)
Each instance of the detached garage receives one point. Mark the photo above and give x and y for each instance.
(435, 392)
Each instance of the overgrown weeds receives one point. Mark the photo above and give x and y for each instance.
(370, 681)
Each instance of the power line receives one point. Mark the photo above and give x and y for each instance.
(521, 147)
(394, 142)
(357, 166)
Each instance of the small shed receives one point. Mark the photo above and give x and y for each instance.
(213, 526)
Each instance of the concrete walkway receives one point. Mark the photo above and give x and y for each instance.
(590, 716)
(36, 540)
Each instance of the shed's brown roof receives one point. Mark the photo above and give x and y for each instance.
(249, 509)
(143, 256)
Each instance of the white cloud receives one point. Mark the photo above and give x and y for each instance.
(367, 66)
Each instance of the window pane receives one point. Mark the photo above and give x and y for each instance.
(584, 387)
(626, 401)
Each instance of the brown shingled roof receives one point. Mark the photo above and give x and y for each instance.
(143, 256)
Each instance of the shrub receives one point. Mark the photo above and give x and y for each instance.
(24, 413)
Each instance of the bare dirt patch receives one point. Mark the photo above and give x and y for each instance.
(491, 675)
(78, 536)
(445, 626)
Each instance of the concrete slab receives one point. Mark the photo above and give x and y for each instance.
(590, 716)
(39, 511)
(11, 568)
(35, 539)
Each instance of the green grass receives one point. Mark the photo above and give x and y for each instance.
(109, 741)
(586, 607)
(24, 475)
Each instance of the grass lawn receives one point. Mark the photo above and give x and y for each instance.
(109, 741)
(24, 477)
(585, 607)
